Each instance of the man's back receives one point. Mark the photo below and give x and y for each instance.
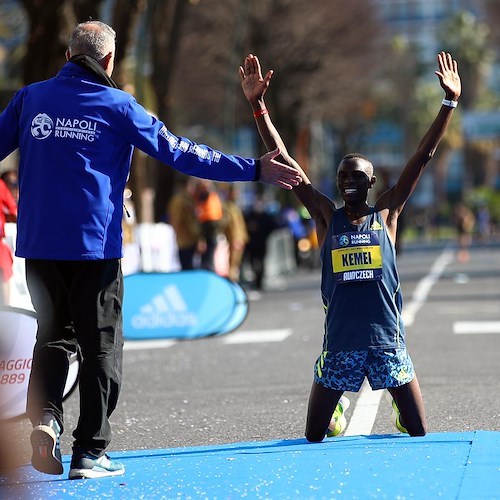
(73, 167)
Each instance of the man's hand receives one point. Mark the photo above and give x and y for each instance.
(449, 78)
(278, 174)
(253, 85)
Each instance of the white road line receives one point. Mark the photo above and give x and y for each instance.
(479, 308)
(368, 401)
(365, 411)
(424, 286)
(134, 345)
(476, 327)
(256, 336)
(243, 337)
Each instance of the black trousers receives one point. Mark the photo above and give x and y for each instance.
(209, 234)
(78, 306)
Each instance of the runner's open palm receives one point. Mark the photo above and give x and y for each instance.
(448, 75)
(253, 84)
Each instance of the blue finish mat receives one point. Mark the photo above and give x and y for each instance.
(445, 465)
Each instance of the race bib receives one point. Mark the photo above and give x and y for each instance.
(356, 257)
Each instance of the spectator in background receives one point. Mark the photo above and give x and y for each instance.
(483, 221)
(260, 224)
(464, 224)
(235, 230)
(209, 212)
(182, 217)
(293, 221)
(8, 213)
(11, 181)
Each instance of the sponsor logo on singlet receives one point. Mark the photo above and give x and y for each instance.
(43, 126)
(356, 256)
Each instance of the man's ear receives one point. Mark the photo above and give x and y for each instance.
(106, 60)
(68, 55)
(373, 180)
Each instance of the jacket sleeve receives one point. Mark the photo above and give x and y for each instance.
(152, 137)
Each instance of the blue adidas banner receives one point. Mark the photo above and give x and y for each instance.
(181, 305)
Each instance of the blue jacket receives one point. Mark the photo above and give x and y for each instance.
(76, 137)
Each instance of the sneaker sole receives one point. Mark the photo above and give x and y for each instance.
(43, 441)
(93, 474)
(395, 413)
(395, 420)
(341, 423)
(340, 427)
(345, 402)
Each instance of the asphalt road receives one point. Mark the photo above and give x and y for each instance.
(253, 384)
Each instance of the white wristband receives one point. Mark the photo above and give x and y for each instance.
(451, 104)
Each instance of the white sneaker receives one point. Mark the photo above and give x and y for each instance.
(90, 467)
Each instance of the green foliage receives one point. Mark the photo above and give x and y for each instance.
(485, 196)
(467, 39)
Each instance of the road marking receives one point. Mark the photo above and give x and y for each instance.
(476, 327)
(365, 411)
(479, 308)
(134, 345)
(244, 337)
(369, 400)
(424, 286)
(256, 336)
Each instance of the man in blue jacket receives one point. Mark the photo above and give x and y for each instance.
(76, 134)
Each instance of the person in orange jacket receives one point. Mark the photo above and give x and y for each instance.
(209, 212)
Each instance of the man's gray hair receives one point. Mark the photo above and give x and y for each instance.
(92, 38)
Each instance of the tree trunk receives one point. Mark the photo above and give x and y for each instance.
(50, 28)
(165, 19)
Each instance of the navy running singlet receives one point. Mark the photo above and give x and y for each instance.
(360, 286)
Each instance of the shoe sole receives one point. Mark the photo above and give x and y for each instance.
(43, 441)
(341, 423)
(345, 402)
(395, 414)
(340, 427)
(93, 474)
(395, 419)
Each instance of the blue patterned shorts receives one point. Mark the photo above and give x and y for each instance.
(346, 370)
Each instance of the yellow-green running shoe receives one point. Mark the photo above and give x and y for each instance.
(338, 422)
(395, 415)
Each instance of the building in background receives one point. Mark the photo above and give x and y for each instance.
(420, 20)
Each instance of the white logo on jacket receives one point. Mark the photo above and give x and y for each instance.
(41, 126)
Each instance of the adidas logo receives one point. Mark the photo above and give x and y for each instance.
(165, 310)
(376, 226)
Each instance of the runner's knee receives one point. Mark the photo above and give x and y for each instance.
(314, 437)
(418, 431)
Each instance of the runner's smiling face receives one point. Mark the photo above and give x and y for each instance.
(354, 179)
